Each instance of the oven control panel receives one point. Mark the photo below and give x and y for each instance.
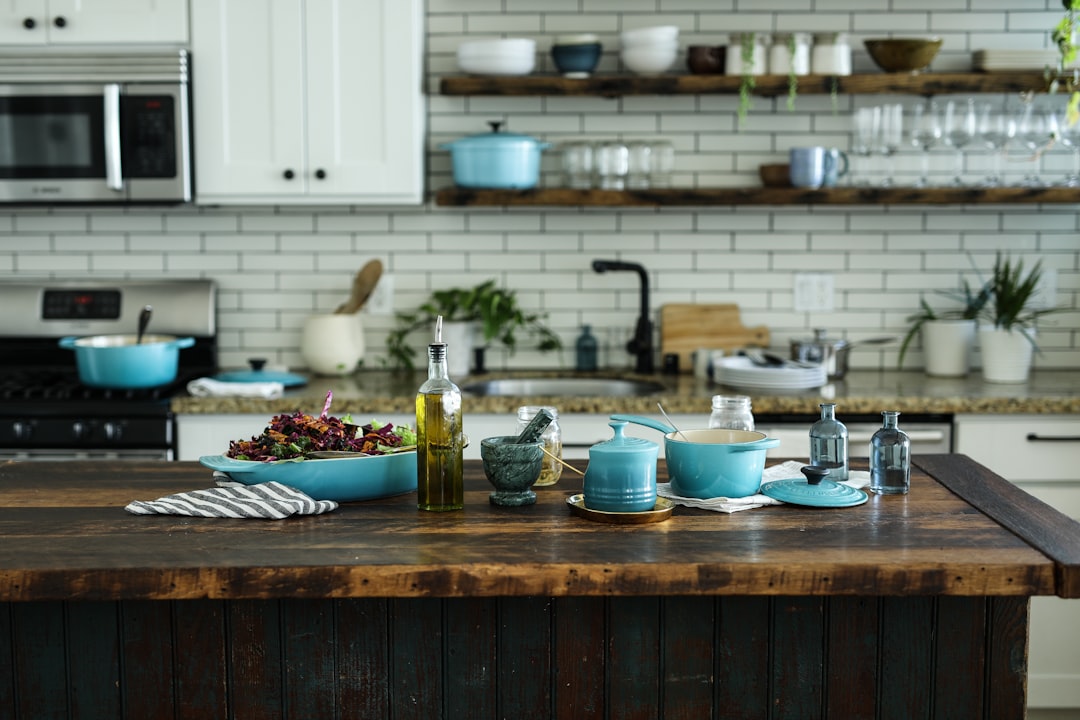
(80, 304)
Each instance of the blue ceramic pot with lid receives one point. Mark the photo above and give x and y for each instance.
(621, 476)
(496, 160)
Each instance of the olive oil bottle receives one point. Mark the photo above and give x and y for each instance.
(439, 438)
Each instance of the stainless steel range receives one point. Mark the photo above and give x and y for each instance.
(47, 413)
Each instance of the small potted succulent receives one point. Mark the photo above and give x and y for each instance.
(477, 316)
(948, 337)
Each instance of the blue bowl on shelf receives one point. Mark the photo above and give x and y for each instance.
(576, 60)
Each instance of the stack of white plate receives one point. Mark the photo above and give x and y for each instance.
(1006, 60)
(741, 372)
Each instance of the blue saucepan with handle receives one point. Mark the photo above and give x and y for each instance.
(711, 463)
(127, 362)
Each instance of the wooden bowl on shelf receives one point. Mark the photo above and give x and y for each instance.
(775, 174)
(899, 55)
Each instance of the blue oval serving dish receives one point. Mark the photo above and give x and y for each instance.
(348, 479)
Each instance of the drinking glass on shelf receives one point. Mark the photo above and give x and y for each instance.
(1036, 129)
(1070, 138)
(890, 137)
(867, 128)
(925, 134)
(958, 130)
(995, 128)
(612, 164)
(663, 163)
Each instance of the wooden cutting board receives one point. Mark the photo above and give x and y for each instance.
(686, 327)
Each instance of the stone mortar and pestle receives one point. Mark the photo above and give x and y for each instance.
(512, 463)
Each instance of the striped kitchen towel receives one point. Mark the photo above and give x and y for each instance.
(269, 500)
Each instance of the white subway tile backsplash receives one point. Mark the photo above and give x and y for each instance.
(276, 265)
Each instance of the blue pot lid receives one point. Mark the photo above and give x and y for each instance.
(496, 140)
(623, 444)
(287, 379)
(827, 493)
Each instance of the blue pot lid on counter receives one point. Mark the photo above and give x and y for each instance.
(827, 493)
(259, 375)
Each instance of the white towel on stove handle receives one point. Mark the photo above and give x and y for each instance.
(208, 387)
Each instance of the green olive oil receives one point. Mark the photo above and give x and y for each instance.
(439, 437)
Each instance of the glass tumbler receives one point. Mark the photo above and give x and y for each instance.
(612, 164)
(662, 158)
(577, 165)
(639, 165)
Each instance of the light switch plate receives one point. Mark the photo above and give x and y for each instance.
(381, 301)
(814, 292)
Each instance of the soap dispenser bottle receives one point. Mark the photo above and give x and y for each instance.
(439, 438)
(586, 349)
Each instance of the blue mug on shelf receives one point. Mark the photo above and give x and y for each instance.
(816, 166)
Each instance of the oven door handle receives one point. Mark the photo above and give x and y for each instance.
(114, 179)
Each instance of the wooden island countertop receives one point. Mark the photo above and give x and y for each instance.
(395, 608)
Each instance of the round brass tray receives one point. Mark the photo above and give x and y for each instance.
(659, 513)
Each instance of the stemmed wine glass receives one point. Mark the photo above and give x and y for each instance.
(958, 131)
(890, 137)
(865, 139)
(925, 134)
(1037, 129)
(1070, 138)
(995, 128)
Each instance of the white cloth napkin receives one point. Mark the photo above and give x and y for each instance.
(208, 387)
(269, 500)
(789, 469)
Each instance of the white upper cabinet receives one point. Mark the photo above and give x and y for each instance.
(93, 22)
(308, 101)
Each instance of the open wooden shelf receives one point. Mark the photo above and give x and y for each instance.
(766, 85)
(467, 197)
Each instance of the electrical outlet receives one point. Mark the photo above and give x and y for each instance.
(381, 301)
(813, 292)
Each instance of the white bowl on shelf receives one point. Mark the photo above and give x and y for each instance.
(500, 56)
(650, 59)
(649, 35)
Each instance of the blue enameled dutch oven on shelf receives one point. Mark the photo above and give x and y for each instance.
(496, 160)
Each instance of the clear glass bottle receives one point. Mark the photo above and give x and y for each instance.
(552, 437)
(585, 350)
(731, 412)
(829, 443)
(890, 457)
(439, 438)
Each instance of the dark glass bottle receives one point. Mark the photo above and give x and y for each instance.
(829, 443)
(890, 458)
(439, 437)
(585, 348)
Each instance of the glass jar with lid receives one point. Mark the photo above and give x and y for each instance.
(789, 54)
(731, 412)
(831, 54)
(552, 437)
(746, 54)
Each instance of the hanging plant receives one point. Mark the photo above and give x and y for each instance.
(792, 78)
(1062, 36)
(748, 82)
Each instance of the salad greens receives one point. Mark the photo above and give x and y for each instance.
(293, 436)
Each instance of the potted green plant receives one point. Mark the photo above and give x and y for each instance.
(948, 337)
(492, 313)
(1007, 330)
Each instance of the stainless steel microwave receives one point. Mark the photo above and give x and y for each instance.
(101, 128)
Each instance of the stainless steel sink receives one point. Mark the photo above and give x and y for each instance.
(563, 387)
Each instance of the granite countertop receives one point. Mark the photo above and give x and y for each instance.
(861, 391)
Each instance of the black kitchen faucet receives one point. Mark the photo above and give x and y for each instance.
(641, 345)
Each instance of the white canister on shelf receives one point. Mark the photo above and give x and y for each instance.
(831, 54)
(789, 54)
(734, 63)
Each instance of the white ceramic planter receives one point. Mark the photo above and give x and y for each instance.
(1006, 354)
(947, 347)
(332, 344)
(459, 338)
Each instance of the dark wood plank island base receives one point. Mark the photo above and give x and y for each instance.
(904, 607)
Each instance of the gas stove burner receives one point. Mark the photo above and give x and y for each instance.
(62, 384)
